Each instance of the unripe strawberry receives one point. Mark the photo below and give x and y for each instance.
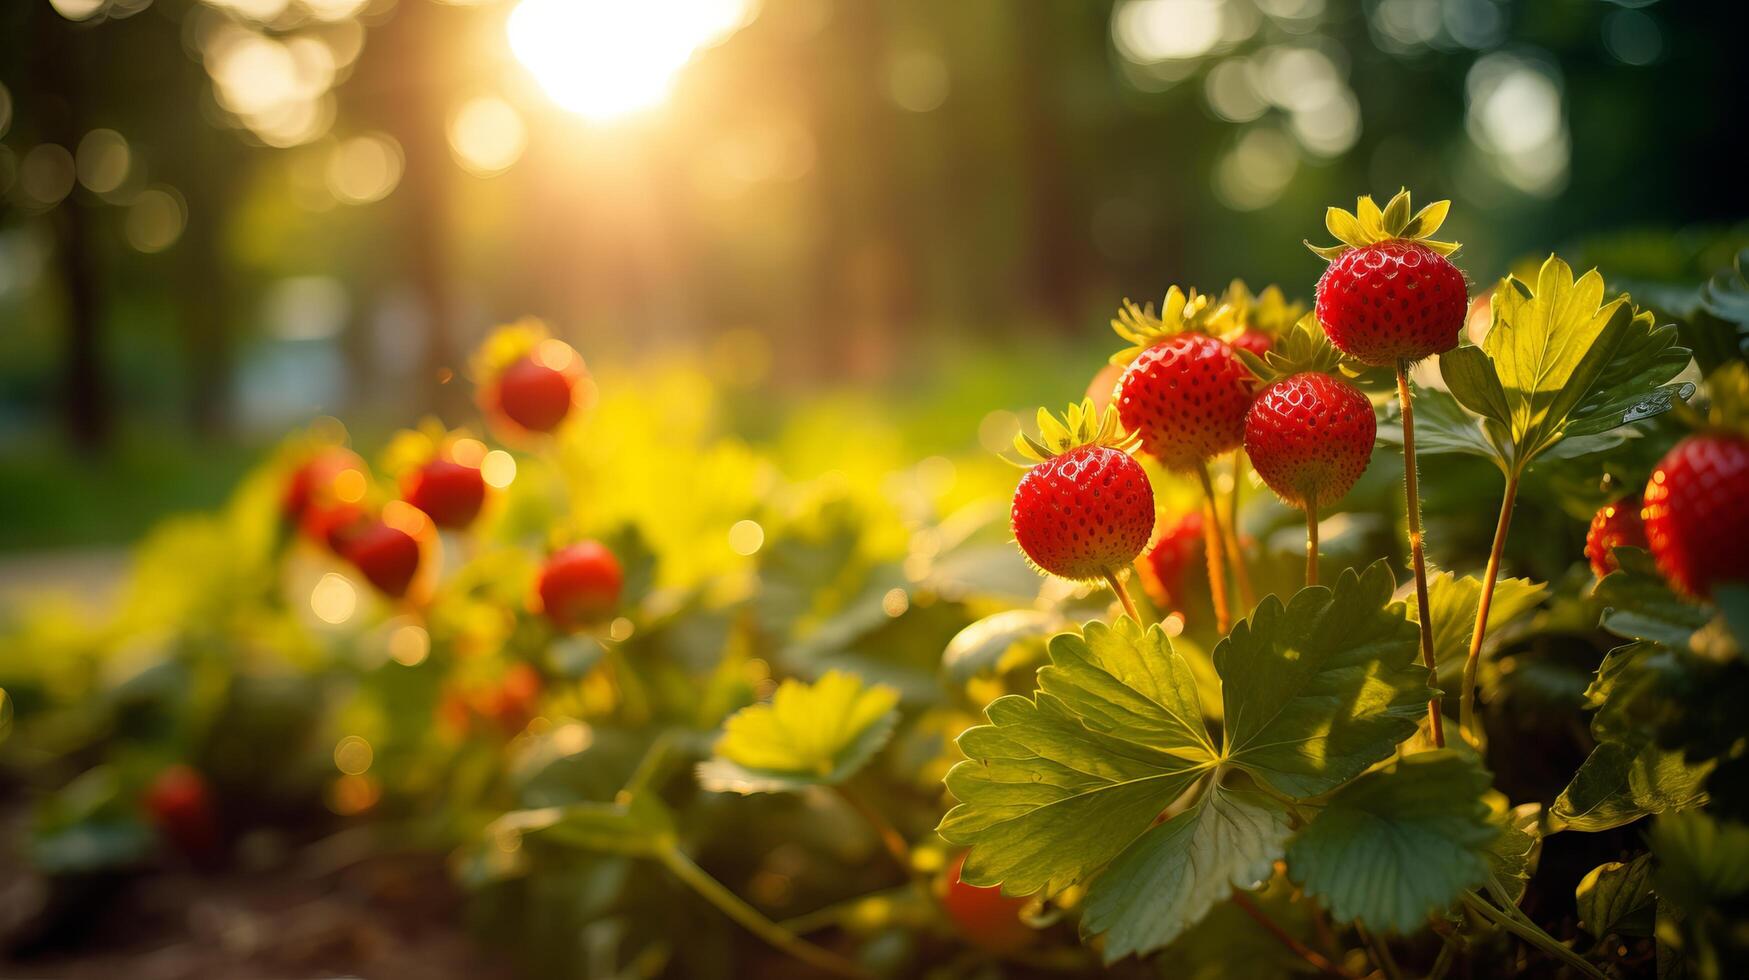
(984, 916)
(1389, 293)
(388, 557)
(1696, 522)
(1184, 393)
(181, 807)
(1175, 551)
(1085, 510)
(450, 493)
(1612, 526)
(1310, 436)
(579, 585)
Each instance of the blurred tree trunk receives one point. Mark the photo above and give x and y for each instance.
(59, 67)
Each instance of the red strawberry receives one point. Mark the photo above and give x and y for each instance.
(1085, 510)
(1175, 551)
(986, 917)
(181, 808)
(579, 585)
(312, 482)
(1612, 526)
(1310, 437)
(1696, 521)
(1390, 293)
(514, 702)
(1255, 341)
(333, 524)
(532, 395)
(1186, 398)
(387, 556)
(448, 492)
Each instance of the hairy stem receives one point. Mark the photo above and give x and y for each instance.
(1123, 595)
(1528, 931)
(1236, 554)
(1381, 953)
(883, 828)
(1213, 552)
(1304, 952)
(1311, 541)
(750, 918)
(1435, 720)
(1467, 706)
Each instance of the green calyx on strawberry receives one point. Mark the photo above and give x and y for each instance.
(1310, 432)
(1085, 509)
(1697, 526)
(1390, 293)
(1183, 393)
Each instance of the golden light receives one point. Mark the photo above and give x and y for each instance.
(486, 136)
(605, 60)
(353, 755)
(746, 537)
(155, 219)
(334, 599)
(102, 160)
(409, 644)
(498, 469)
(364, 168)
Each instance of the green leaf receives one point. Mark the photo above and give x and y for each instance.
(1471, 378)
(640, 826)
(1622, 781)
(1563, 354)
(1632, 406)
(1398, 844)
(1045, 802)
(981, 647)
(1617, 897)
(1512, 857)
(1320, 689)
(1442, 427)
(1128, 683)
(1701, 859)
(1452, 603)
(1638, 604)
(808, 735)
(1170, 878)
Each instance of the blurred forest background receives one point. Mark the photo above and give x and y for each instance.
(220, 219)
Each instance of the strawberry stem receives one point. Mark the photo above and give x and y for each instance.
(1467, 706)
(1311, 541)
(1412, 494)
(1235, 554)
(1123, 595)
(750, 918)
(883, 828)
(1318, 960)
(1213, 551)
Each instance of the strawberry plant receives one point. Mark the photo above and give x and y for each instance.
(664, 701)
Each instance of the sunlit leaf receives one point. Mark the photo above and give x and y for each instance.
(981, 647)
(1169, 879)
(807, 735)
(1319, 689)
(1622, 781)
(1617, 897)
(639, 827)
(1397, 844)
(1452, 602)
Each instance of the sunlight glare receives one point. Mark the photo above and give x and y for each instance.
(605, 60)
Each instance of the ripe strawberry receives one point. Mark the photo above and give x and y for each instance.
(448, 492)
(312, 483)
(1310, 436)
(1696, 522)
(1612, 526)
(1184, 393)
(513, 703)
(181, 807)
(387, 556)
(533, 395)
(579, 585)
(984, 916)
(333, 524)
(1085, 510)
(1390, 293)
(1175, 551)
(1255, 341)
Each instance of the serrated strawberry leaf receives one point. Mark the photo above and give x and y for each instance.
(1617, 897)
(1317, 690)
(1622, 781)
(1060, 783)
(1398, 844)
(1166, 881)
(1452, 602)
(807, 735)
(1442, 427)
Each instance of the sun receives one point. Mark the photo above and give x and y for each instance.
(607, 59)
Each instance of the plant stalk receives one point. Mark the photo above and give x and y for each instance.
(750, 918)
(1311, 541)
(1123, 595)
(1381, 953)
(1467, 706)
(1236, 554)
(1532, 934)
(883, 828)
(1304, 952)
(1412, 494)
(1213, 552)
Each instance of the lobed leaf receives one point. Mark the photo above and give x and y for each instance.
(1625, 780)
(1452, 602)
(1318, 690)
(1398, 844)
(807, 735)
